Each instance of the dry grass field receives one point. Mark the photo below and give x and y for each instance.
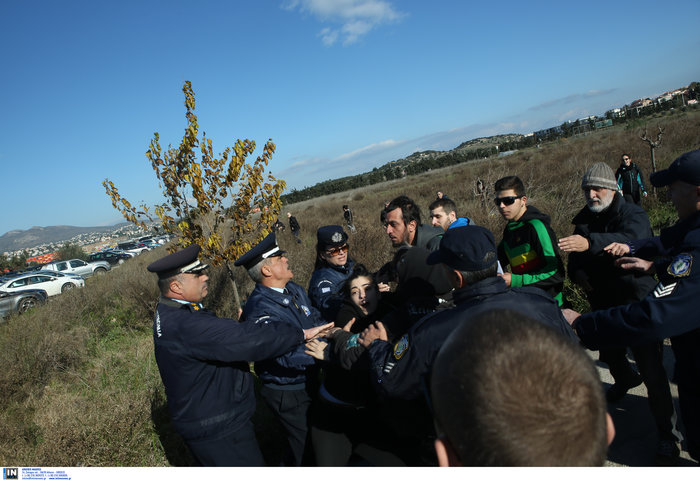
(79, 382)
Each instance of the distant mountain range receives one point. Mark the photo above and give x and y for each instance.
(36, 236)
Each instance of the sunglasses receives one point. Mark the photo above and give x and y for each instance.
(338, 250)
(506, 200)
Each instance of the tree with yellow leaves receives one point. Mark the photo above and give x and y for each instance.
(207, 198)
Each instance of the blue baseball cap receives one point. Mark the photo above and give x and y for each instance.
(685, 168)
(464, 249)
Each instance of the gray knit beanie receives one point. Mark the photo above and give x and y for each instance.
(599, 175)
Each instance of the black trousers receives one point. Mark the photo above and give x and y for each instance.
(290, 408)
(239, 448)
(350, 436)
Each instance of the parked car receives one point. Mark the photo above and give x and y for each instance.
(68, 275)
(53, 285)
(132, 246)
(119, 251)
(113, 258)
(20, 301)
(77, 266)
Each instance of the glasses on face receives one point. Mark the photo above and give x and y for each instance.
(625, 158)
(338, 250)
(506, 200)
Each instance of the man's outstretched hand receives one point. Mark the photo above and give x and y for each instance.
(372, 333)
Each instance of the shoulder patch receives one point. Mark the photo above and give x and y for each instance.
(401, 347)
(663, 291)
(306, 310)
(680, 265)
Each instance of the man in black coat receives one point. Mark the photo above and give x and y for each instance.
(671, 310)
(605, 219)
(294, 226)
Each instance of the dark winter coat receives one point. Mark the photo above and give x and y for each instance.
(620, 222)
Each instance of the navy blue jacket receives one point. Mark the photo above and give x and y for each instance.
(670, 310)
(325, 288)
(620, 222)
(203, 362)
(398, 371)
(267, 307)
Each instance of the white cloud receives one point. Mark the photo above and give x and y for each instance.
(349, 19)
(369, 149)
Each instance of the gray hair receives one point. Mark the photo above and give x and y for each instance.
(255, 271)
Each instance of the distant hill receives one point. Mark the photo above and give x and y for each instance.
(26, 239)
(415, 163)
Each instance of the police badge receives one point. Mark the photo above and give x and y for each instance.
(680, 265)
(401, 347)
(337, 237)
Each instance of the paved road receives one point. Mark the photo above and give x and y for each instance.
(635, 439)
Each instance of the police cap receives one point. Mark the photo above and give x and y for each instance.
(685, 168)
(180, 262)
(330, 236)
(465, 249)
(265, 248)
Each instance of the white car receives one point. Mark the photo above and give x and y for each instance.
(53, 285)
(78, 266)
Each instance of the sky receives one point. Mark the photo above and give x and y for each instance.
(340, 86)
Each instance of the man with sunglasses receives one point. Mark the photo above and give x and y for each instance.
(287, 378)
(529, 245)
(333, 267)
(203, 362)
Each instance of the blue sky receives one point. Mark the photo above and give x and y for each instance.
(341, 86)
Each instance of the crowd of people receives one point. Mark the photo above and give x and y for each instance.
(459, 350)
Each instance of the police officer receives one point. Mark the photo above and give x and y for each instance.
(203, 362)
(671, 309)
(333, 267)
(398, 371)
(276, 301)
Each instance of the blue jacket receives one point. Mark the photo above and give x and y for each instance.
(400, 371)
(203, 362)
(325, 288)
(267, 307)
(670, 310)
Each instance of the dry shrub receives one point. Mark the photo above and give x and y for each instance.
(101, 417)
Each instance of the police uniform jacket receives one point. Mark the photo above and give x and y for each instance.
(670, 310)
(398, 370)
(203, 362)
(268, 308)
(326, 285)
(620, 222)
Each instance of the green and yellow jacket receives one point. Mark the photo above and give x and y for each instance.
(529, 247)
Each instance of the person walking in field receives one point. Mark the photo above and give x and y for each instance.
(630, 180)
(294, 226)
(347, 214)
